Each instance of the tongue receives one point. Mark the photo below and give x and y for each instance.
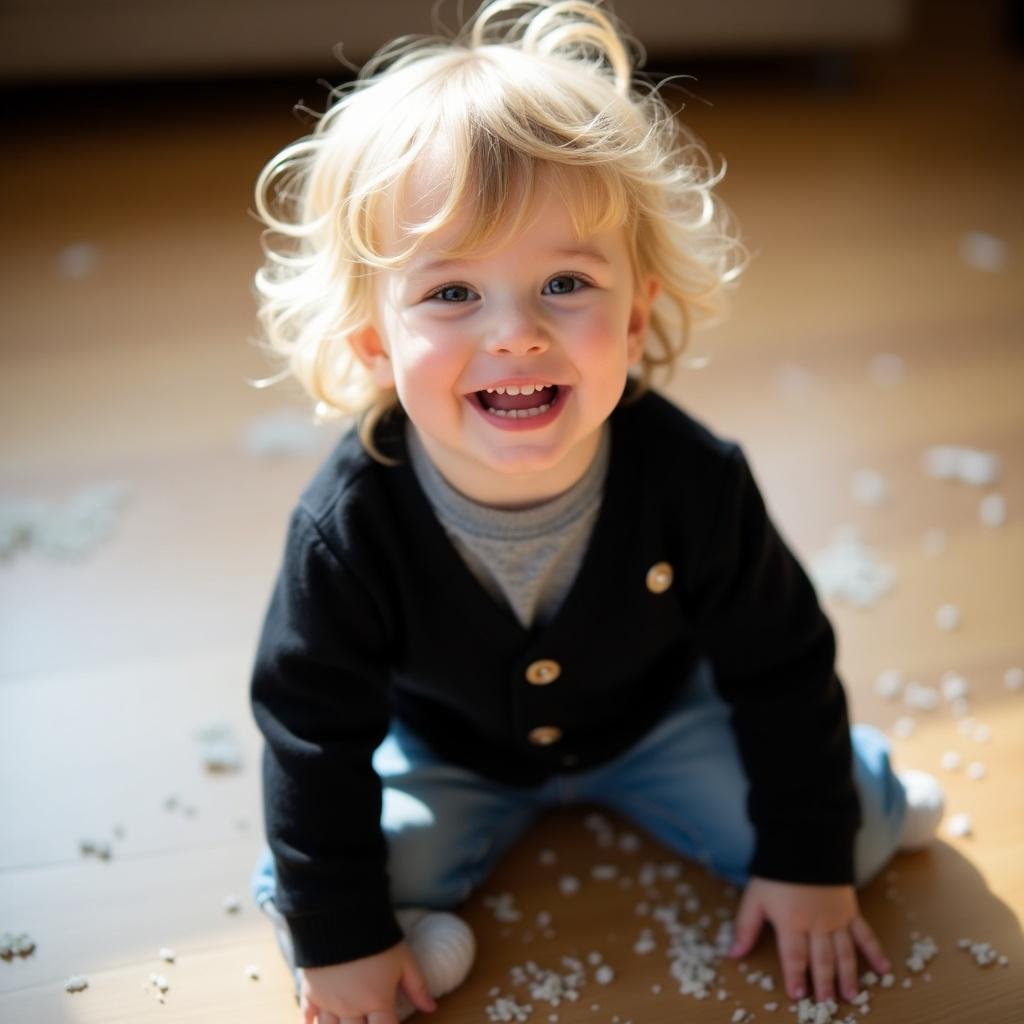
(496, 401)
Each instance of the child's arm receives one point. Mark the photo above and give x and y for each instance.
(364, 988)
(817, 927)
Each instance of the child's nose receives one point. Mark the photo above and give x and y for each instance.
(518, 336)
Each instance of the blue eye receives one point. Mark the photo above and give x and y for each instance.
(564, 284)
(453, 293)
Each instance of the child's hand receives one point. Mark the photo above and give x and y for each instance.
(363, 990)
(817, 926)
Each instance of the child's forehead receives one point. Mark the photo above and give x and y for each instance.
(547, 217)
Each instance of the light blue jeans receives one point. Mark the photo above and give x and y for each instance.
(683, 783)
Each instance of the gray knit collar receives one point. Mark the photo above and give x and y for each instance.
(454, 508)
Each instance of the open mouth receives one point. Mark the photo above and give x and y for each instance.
(524, 402)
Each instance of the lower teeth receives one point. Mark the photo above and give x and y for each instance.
(520, 414)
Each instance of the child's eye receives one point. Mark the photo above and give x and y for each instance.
(453, 293)
(564, 284)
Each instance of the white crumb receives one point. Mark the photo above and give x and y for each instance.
(568, 885)
(252, 971)
(886, 369)
(232, 904)
(982, 251)
(992, 510)
(848, 570)
(219, 747)
(934, 542)
(76, 983)
(954, 686)
(1013, 678)
(976, 771)
(869, 487)
(947, 616)
(904, 726)
(889, 683)
(166, 953)
(951, 761)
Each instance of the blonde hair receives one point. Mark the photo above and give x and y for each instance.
(542, 87)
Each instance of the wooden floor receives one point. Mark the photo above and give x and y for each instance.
(856, 200)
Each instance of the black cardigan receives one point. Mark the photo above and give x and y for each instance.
(375, 614)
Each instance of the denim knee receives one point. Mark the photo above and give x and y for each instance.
(883, 802)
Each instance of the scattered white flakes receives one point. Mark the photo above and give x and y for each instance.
(604, 975)
(869, 488)
(921, 697)
(849, 571)
(493, 992)
(869, 978)
(252, 971)
(71, 529)
(767, 983)
(771, 1007)
(904, 726)
(1013, 678)
(951, 761)
(552, 1018)
(76, 983)
(158, 981)
(968, 465)
(629, 842)
(960, 707)
(906, 983)
(503, 907)
(568, 885)
(604, 872)
(597, 822)
(16, 945)
(959, 825)
(983, 953)
(219, 746)
(284, 432)
(77, 260)
(547, 857)
(954, 686)
(861, 998)
(976, 771)
(886, 370)
(721, 995)
(981, 733)
(992, 510)
(947, 616)
(889, 683)
(232, 904)
(656, 990)
(543, 919)
(809, 1012)
(982, 251)
(594, 958)
(645, 943)
(739, 1016)
(794, 381)
(887, 980)
(505, 1009)
(167, 954)
(670, 870)
(934, 542)
(922, 951)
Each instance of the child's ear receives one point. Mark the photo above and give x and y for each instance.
(640, 317)
(372, 353)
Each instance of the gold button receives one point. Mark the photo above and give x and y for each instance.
(545, 735)
(659, 577)
(542, 672)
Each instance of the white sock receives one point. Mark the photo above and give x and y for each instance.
(926, 802)
(444, 947)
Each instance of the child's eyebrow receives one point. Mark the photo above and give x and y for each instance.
(593, 255)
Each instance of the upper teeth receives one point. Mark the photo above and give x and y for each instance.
(526, 389)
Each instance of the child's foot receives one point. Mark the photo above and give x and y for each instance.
(926, 802)
(444, 947)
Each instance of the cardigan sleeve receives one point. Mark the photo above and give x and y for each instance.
(773, 652)
(319, 695)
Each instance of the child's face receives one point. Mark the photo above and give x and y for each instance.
(544, 309)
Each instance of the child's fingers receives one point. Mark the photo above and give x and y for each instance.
(869, 945)
(823, 966)
(846, 963)
(382, 1017)
(309, 1011)
(793, 956)
(415, 986)
(749, 920)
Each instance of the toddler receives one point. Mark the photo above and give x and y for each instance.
(524, 578)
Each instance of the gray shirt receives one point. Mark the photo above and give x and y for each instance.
(525, 558)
